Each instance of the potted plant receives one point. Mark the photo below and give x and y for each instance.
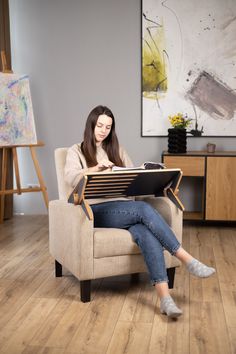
(177, 135)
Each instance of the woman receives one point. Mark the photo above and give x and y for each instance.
(99, 151)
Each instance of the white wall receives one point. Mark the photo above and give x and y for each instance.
(81, 53)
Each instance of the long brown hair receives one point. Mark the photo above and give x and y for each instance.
(110, 144)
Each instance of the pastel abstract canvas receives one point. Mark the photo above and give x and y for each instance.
(17, 126)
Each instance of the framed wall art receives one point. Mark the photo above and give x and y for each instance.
(189, 65)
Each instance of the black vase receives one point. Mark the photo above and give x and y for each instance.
(177, 140)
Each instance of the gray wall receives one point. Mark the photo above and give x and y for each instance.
(81, 53)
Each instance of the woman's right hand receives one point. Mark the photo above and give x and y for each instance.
(101, 166)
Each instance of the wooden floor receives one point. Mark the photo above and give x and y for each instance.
(42, 314)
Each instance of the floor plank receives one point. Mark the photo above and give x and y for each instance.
(95, 330)
(130, 337)
(208, 330)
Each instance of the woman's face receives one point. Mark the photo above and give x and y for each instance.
(102, 128)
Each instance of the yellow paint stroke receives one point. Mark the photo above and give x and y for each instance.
(154, 75)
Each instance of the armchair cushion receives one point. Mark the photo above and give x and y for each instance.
(113, 242)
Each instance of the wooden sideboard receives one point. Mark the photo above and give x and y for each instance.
(218, 173)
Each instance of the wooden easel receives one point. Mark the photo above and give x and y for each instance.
(13, 149)
(4, 63)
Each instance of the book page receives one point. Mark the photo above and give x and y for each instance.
(118, 168)
(145, 166)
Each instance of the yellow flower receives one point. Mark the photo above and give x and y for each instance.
(179, 120)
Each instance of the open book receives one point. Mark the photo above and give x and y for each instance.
(146, 166)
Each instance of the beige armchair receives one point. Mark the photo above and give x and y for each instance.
(91, 253)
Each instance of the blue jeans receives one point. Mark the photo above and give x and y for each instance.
(147, 227)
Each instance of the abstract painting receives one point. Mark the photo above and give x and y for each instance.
(17, 125)
(189, 65)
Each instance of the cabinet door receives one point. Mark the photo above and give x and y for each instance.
(221, 188)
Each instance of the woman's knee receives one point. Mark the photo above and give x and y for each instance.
(146, 212)
(144, 207)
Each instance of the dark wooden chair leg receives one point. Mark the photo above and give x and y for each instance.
(135, 278)
(85, 290)
(58, 269)
(171, 277)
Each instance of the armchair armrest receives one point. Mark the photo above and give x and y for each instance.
(169, 211)
(71, 238)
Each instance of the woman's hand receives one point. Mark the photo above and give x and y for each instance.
(102, 165)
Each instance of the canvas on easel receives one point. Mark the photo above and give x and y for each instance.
(17, 126)
(17, 129)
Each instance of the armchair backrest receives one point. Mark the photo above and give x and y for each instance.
(60, 160)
